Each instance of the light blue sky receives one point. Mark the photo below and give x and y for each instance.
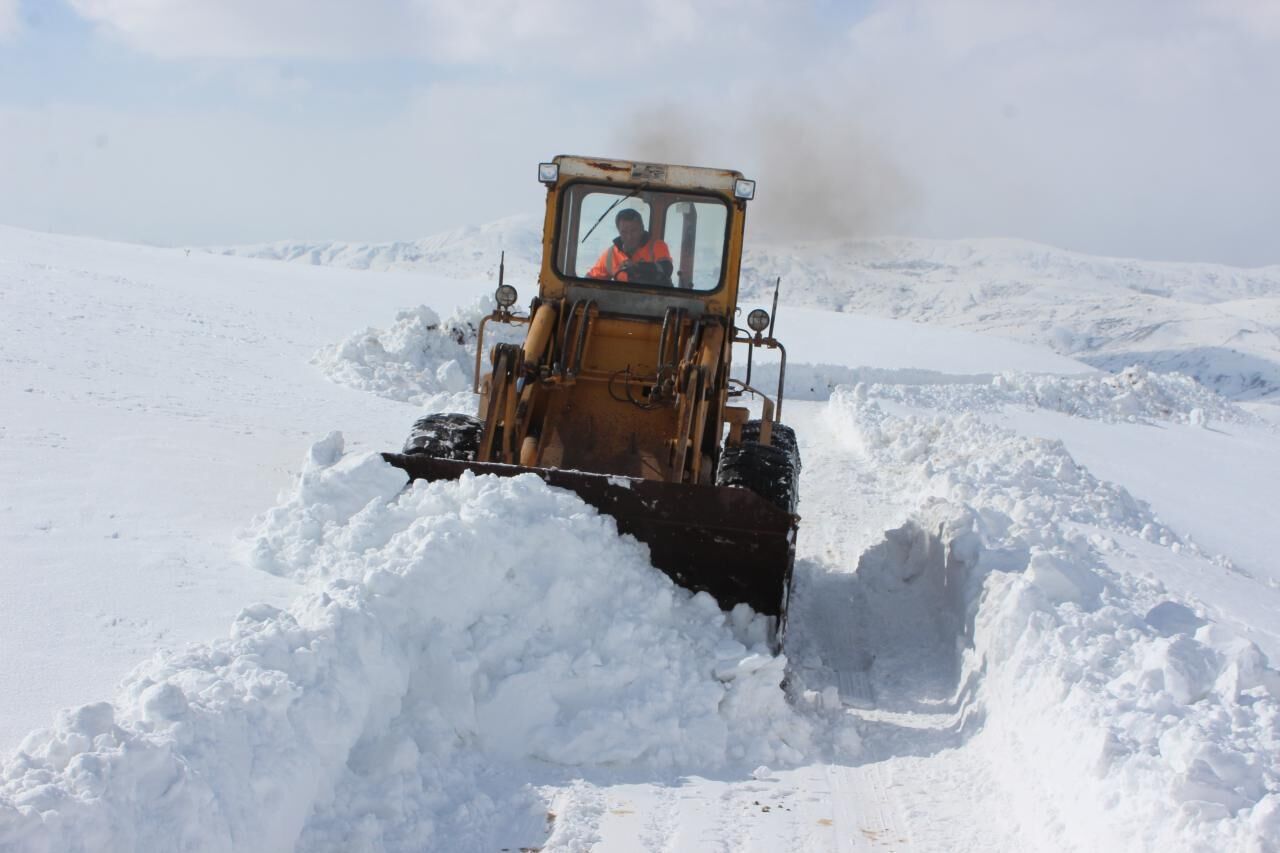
(1138, 128)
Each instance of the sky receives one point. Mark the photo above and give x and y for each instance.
(1143, 128)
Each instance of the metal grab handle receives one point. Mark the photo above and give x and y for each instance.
(563, 367)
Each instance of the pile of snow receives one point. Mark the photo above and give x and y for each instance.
(466, 636)
(1134, 394)
(419, 359)
(1126, 717)
(816, 382)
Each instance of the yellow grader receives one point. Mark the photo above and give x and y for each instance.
(621, 390)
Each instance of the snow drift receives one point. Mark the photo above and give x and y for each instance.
(1132, 394)
(1123, 718)
(463, 628)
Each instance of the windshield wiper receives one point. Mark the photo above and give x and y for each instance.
(631, 194)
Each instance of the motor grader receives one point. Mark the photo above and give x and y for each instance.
(622, 391)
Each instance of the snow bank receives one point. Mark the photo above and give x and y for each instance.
(419, 359)
(1132, 394)
(1122, 718)
(463, 630)
(818, 381)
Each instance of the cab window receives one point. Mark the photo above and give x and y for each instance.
(667, 239)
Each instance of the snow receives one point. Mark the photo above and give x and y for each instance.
(472, 252)
(153, 402)
(1216, 323)
(1034, 609)
(1063, 641)
(419, 359)
(441, 650)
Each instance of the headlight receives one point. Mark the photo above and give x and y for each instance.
(744, 189)
(506, 296)
(758, 320)
(548, 173)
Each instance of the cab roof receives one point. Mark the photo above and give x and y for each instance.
(654, 174)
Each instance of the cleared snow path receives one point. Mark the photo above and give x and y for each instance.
(1002, 670)
(1113, 712)
(871, 667)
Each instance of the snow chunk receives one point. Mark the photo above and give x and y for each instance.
(1189, 669)
(1062, 580)
(326, 451)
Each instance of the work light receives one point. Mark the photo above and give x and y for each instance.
(506, 296)
(548, 173)
(744, 189)
(758, 320)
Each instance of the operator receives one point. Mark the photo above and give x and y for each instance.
(635, 256)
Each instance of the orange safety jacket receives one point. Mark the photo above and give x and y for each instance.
(610, 264)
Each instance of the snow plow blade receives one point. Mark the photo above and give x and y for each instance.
(725, 541)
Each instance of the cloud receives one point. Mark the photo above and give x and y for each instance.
(239, 29)
(1141, 128)
(1136, 128)
(9, 18)
(1261, 18)
(572, 33)
(456, 153)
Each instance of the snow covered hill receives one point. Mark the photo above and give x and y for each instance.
(1035, 603)
(470, 252)
(1216, 323)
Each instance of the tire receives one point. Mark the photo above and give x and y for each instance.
(446, 436)
(782, 437)
(768, 471)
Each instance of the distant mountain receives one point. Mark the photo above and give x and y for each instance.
(1220, 324)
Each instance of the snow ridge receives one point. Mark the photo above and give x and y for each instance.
(1128, 719)
(1130, 395)
(462, 638)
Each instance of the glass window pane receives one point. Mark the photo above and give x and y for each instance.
(594, 205)
(671, 240)
(695, 232)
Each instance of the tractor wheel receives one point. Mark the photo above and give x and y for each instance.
(782, 437)
(446, 436)
(768, 471)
